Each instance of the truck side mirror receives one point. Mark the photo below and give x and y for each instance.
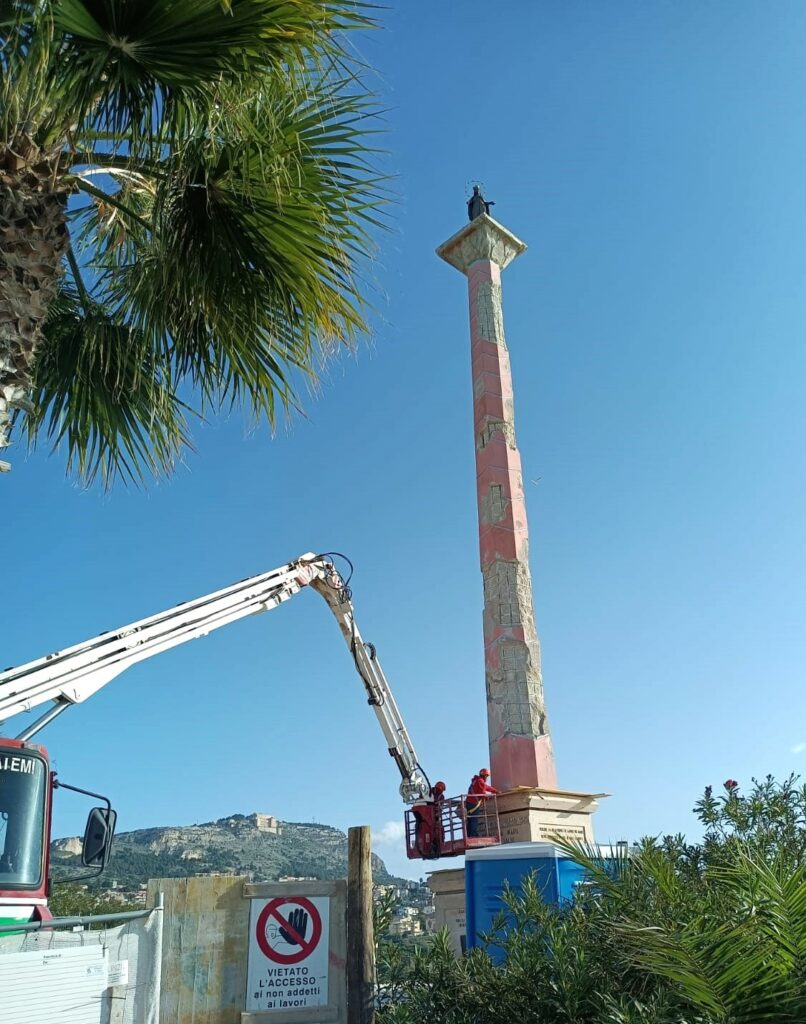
(97, 846)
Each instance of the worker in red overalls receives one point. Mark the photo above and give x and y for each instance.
(478, 791)
(428, 817)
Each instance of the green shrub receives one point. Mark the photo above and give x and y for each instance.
(705, 933)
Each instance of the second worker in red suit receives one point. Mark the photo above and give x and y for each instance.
(478, 792)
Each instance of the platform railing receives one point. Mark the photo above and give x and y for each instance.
(449, 827)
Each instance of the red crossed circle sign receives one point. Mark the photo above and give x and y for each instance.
(272, 911)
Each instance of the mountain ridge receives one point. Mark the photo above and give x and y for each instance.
(258, 846)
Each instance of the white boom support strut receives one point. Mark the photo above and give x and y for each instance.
(71, 676)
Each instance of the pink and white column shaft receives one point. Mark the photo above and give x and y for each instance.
(520, 744)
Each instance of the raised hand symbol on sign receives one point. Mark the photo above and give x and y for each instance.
(298, 920)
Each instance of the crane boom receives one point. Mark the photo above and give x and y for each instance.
(71, 676)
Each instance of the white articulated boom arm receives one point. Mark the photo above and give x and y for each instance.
(71, 676)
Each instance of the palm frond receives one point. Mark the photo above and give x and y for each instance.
(103, 395)
(28, 42)
(269, 231)
(742, 959)
(133, 66)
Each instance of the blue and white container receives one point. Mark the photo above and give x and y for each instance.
(488, 870)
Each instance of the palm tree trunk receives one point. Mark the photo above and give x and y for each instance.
(33, 241)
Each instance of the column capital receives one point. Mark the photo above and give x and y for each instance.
(482, 239)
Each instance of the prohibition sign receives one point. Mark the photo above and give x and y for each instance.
(307, 946)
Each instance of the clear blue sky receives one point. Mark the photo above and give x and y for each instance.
(653, 156)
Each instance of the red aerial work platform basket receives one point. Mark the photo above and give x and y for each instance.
(445, 828)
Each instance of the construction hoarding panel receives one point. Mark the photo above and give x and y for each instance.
(204, 949)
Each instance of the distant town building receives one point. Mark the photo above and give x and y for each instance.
(407, 921)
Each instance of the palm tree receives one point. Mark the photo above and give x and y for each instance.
(185, 204)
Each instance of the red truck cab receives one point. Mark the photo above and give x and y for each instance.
(26, 788)
(26, 797)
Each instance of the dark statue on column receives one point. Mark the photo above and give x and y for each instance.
(477, 204)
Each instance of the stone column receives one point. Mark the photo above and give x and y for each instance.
(520, 744)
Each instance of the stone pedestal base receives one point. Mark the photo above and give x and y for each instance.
(448, 888)
(542, 815)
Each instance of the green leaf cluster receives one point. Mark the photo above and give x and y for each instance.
(69, 900)
(712, 932)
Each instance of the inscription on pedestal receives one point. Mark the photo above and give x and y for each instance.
(573, 832)
(515, 828)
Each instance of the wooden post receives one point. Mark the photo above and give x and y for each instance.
(360, 931)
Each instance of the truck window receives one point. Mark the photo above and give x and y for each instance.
(22, 819)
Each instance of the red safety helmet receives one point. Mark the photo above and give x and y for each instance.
(485, 773)
(440, 787)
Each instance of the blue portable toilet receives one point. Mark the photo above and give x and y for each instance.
(489, 869)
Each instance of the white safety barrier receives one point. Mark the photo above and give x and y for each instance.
(109, 976)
